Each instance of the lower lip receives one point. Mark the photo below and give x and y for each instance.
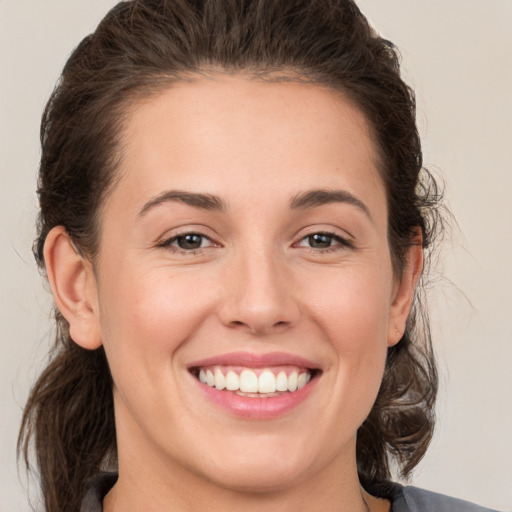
(257, 407)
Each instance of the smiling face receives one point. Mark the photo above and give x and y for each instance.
(245, 245)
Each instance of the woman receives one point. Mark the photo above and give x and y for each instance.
(233, 222)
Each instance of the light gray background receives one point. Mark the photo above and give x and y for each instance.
(457, 54)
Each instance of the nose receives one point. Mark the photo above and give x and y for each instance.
(259, 295)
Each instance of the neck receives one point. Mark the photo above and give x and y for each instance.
(121, 499)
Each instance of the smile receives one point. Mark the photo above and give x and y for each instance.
(256, 386)
(255, 382)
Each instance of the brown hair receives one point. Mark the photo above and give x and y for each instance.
(142, 46)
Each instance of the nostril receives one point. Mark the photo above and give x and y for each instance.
(259, 328)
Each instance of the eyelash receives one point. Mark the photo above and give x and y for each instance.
(341, 242)
(167, 244)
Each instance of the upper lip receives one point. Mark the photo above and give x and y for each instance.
(253, 360)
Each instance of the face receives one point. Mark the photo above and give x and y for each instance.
(245, 246)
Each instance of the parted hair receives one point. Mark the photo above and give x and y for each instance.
(142, 47)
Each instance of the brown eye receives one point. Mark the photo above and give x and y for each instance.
(320, 241)
(190, 241)
(324, 241)
(187, 242)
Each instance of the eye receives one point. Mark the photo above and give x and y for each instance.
(323, 241)
(188, 242)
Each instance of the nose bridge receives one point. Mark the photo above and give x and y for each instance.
(259, 297)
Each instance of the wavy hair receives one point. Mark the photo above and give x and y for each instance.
(143, 46)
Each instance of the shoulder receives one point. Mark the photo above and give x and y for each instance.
(412, 499)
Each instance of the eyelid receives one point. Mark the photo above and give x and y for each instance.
(341, 235)
(341, 241)
(167, 240)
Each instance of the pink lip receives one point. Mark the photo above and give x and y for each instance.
(252, 360)
(256, 408)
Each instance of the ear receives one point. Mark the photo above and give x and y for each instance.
(74, 288)
(403, 292)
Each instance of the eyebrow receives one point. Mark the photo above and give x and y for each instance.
(304, 200)
(194, 199)
(320, 197)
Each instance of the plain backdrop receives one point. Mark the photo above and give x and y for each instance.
(457, 54)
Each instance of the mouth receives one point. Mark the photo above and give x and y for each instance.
(254, 382)
(256, 386)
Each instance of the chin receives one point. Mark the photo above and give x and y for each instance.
(261, 468)
(258, 478)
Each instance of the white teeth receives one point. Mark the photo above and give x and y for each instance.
(267, 382)
(248, 382)
(220, 380)
(282, 382)
(292, 381)
(232, 381)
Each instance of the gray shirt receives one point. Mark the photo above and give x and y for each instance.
(403, 499)
(412, 499)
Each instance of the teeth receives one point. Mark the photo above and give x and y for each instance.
(292, 381)
(232, 381)
(301, 381)
(249, 382)
(282, 382)
(267, 382)
(220, 380)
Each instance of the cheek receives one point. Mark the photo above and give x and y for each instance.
(151, 314)
(355, 303)
(352, 315)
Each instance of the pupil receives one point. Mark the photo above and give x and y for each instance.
(320, 241)
(190, 241)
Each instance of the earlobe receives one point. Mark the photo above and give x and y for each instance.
(403, 294)
(74, 288)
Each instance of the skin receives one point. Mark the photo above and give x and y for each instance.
(256, 285)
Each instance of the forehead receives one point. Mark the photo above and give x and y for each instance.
(219, 132)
